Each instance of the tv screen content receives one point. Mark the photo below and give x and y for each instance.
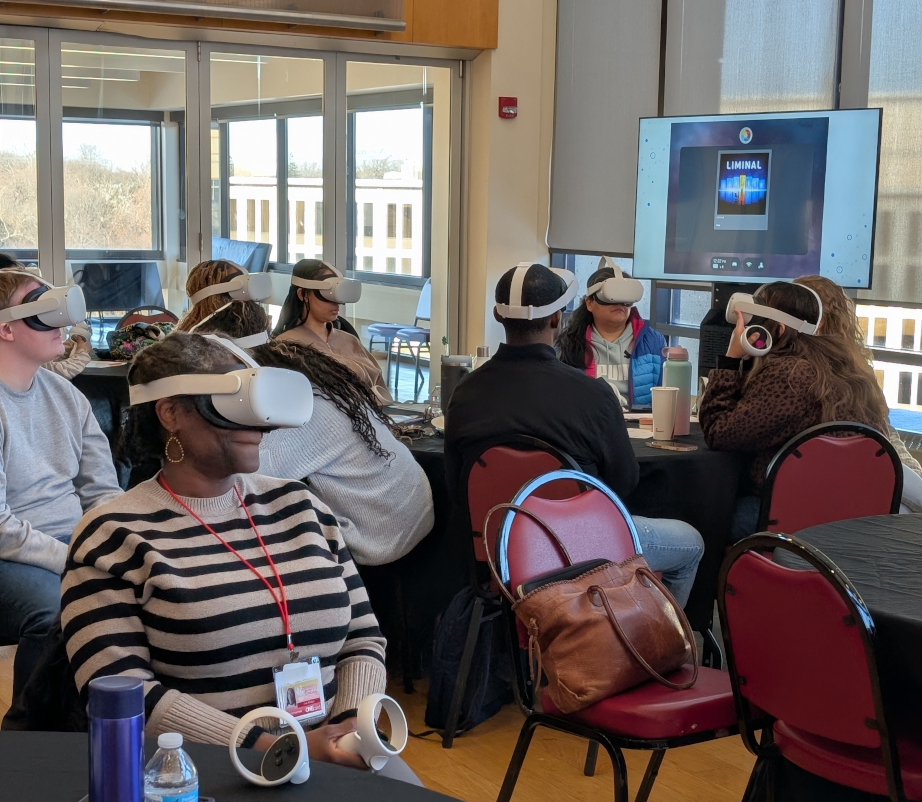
(753, 198)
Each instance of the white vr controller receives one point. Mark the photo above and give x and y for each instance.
(757, 340)
(336, 288)
(618, 290)
(242, 287)
(287, 759)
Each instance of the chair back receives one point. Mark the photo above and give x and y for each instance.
(424, 304)
(500, 472)
(147, 314)
(831, 472)
(800, 643)
(591, 524)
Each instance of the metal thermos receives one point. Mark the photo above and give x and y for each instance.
(677, 372)
(454, 368)
(116, 725)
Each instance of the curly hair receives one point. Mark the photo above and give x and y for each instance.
(333, 381)
(839, 319)
(845, 386)
(205, 274)
(294, 309)
(571, 342)
(142, 437)
(239, 319)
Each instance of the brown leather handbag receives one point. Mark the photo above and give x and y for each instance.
(602, 632)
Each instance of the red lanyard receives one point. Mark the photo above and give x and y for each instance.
(280, 599)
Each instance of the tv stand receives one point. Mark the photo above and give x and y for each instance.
(715, 331)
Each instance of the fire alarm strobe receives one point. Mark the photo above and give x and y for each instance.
(508, 107)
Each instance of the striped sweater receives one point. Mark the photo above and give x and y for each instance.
(149, 592)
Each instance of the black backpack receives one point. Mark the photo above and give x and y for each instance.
(488, 683)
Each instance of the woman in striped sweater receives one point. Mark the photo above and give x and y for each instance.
(152, 589)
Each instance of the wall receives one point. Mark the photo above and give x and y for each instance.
(508, 160)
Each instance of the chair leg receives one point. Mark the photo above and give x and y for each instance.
(518, 758)
(649, 777)
(473, 631)
(619, 766)
(592, 755)
(418, 376)
(712, 656)
(389, 344)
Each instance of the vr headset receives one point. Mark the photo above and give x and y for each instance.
(618, 290)
(250, 341)
(47, 307)
(243, 287)
(757, 340)
(517, 311)
(253, 397)
(337, 289)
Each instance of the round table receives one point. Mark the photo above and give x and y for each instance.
(882, 556)
(52, 767)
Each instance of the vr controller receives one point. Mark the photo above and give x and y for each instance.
(757, 340)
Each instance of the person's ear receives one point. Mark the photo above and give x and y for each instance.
(497, 317)
(556, 318)
(781, 329)
(6, 333)
(590, 305)
(168, 413)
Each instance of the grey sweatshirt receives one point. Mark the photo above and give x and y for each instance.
(55, 464)
(383, 507)
(611, 362)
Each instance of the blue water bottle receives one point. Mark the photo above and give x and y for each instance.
(116, 719)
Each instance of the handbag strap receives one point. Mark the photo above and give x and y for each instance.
(534, 517)
(686, 628)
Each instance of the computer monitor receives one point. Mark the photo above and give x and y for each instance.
(754, 198)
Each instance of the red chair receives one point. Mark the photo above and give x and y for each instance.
(492, 478)
(146, 314)
(801, 648)
(595, 524)
(818, 477)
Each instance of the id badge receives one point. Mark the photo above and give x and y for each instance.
(299, 690)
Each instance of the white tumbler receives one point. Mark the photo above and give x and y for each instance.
(664, 407)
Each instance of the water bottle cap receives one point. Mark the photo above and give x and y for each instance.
(116, 697)
(169, 740)
(675, 352)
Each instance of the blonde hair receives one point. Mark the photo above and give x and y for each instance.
(839, 318)
(11, 281)
(205, 274)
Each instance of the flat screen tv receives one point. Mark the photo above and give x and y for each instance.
(752, 198)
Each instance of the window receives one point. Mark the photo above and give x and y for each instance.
(304, 137)
(407, 226)
(19, 198)
(391, 263)
(252, 171)
(368, 263)
(406, 266)
(863, 325)
(909, 334)
(369, 223)
(879, 375)
(299, 223)
(391, 224)
(318, 223)
(905, 388)
(880, 332)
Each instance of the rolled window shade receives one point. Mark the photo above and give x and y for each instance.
(607, 79)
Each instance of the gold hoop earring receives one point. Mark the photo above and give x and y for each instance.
(166, 450)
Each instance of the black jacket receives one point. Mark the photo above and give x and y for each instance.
(526, 390)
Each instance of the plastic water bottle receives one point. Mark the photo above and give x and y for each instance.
(170, 775)
(677, 372)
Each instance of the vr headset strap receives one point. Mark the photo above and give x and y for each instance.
(236, 283)
(184, 384)
(777, 315)
(37, 307)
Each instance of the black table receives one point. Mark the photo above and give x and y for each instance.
(882, 556)
(698, 487)
(106, 387)
(52, 767)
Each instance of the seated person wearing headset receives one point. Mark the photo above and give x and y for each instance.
(607, 338)
(205, 578)
(214, 284)
(309, 313)
(839, 320)
(797, 380)
(346, 452)
(524, 389)
(55, 462)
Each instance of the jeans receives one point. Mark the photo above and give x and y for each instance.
(745, 518)
(30, 599)
(673, 548)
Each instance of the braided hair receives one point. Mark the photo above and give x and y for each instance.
(205, 274)
(332, 381)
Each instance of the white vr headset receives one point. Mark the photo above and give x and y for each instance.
(757, 340)
(618, 290)
(242, 287)
(250, 341)
(336, 288)
(516, 310)
(253, 397)
(47, 307)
